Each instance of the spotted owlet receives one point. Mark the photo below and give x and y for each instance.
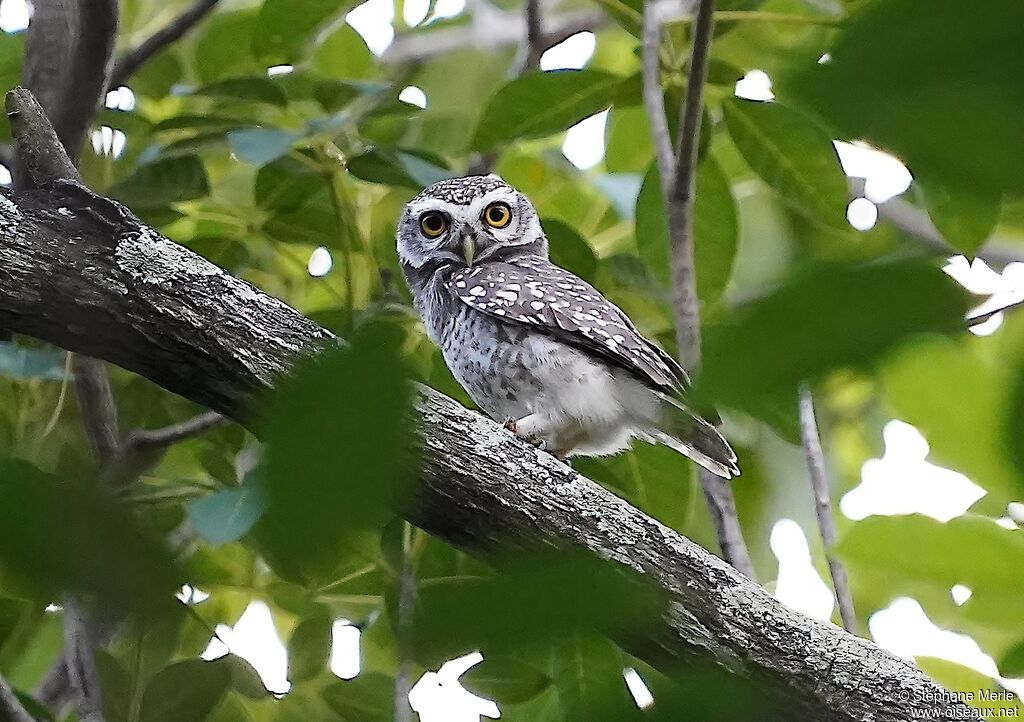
(534, 345)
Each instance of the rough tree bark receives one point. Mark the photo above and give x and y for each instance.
(82, 272)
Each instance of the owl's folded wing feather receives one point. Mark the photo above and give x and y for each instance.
(531, 290)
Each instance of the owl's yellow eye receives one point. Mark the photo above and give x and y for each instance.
(498, 215)
(433, 223)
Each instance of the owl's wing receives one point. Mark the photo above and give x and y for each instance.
(535, 292)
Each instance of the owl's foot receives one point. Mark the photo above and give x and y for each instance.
(514, 426)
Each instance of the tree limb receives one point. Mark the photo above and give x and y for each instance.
(11, 708)
(125, 293)
(131, 61)
(823, 507)
(68, 50)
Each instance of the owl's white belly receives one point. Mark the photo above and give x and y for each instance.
(554, 392)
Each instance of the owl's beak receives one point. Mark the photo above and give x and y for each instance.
(468, 247)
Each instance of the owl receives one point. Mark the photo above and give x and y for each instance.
(535, 346)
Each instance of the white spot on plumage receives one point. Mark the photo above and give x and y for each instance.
(537, 305)
(508, 295)
(477, 291)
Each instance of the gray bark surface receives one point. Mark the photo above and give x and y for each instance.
(81, 272)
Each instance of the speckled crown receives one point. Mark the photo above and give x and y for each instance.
(462, 191)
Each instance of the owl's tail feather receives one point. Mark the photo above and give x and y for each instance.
(695, 438)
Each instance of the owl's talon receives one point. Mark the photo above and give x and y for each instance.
(509, 425)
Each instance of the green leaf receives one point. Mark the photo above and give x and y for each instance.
(964, 216)
(978, 690)
(947, 103)
(225, 516)
(367, 698)
(957, 399)
(158, 75)
(309, 649)
(543, 103)
(792, 154)
(184, 692)
(333, 474)
(286, 183)
(396, 168)
(334, 94)
(63, 537)
(569, 250)
(245, 680)
(820, 319)
(627, 13)
(262, 90)
(969, 549)
(220, 38)
(116, 684)
(715, 229)
(343, 54)
(588, 677)
(505, 679)
(30, 363)
(168, 180)
(312, 224)
(284, 28)
(259, 146)
(1011, 664)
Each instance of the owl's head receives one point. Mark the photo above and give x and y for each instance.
(466, 221)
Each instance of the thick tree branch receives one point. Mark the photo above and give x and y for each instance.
(126, 294)
(131, 61)
(823, 507)
(67, 59)
(11, 708)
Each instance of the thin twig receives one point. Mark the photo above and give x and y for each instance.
(11, 708)
(131, 61)
(403, 631)
(80, 640)
(97, 407)
(654, 99)
(168, 435)
(982, 317)
(499, 30)
(535, 40)
(823, 507)
(916, 223)
(722, 509)
(680, 201)
(677, 172)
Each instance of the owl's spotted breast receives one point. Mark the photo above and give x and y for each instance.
(532, 342)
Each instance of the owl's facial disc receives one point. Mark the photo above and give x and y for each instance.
(468, 221)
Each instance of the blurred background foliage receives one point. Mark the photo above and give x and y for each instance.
(293, 179)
